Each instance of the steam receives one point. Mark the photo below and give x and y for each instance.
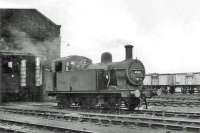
(109, 44)
(16, 40)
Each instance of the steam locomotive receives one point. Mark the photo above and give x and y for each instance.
(78, 83)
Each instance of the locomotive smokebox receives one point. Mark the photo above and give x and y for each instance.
(128, 50)
(106, 57)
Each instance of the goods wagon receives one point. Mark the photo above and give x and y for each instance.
(172, 83)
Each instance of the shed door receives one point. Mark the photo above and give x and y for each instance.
(10, 74)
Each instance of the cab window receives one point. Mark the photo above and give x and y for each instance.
(68, 66)
(113, 78)
(58, 66)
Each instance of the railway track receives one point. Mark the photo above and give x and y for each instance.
(169, 114)
(177, 98)
(174, 103)
(29, 127)
(140, 118)
(191, 115)
(12, 125)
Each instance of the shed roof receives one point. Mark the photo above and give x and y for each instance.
(15, 52)
(18, 10)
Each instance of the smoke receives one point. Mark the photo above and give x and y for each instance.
(13, 39)
(109, 44)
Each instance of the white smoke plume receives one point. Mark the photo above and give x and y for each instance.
(16, 40)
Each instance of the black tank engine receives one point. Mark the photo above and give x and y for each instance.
(77, 82)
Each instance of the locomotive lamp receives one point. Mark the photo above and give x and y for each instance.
(12, 75)
(10, 64)
(137, 93)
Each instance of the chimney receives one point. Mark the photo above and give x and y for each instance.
(128, 51)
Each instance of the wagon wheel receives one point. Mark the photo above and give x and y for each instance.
(133, 103)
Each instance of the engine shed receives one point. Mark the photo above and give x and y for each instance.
(30, 31)
(20, 76)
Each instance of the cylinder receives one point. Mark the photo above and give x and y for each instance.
(128, 51)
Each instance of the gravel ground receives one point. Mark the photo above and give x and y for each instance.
(99, 128)
(83, 126)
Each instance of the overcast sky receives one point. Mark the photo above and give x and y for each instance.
(165, 33)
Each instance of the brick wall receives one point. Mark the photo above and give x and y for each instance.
(30, 31)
